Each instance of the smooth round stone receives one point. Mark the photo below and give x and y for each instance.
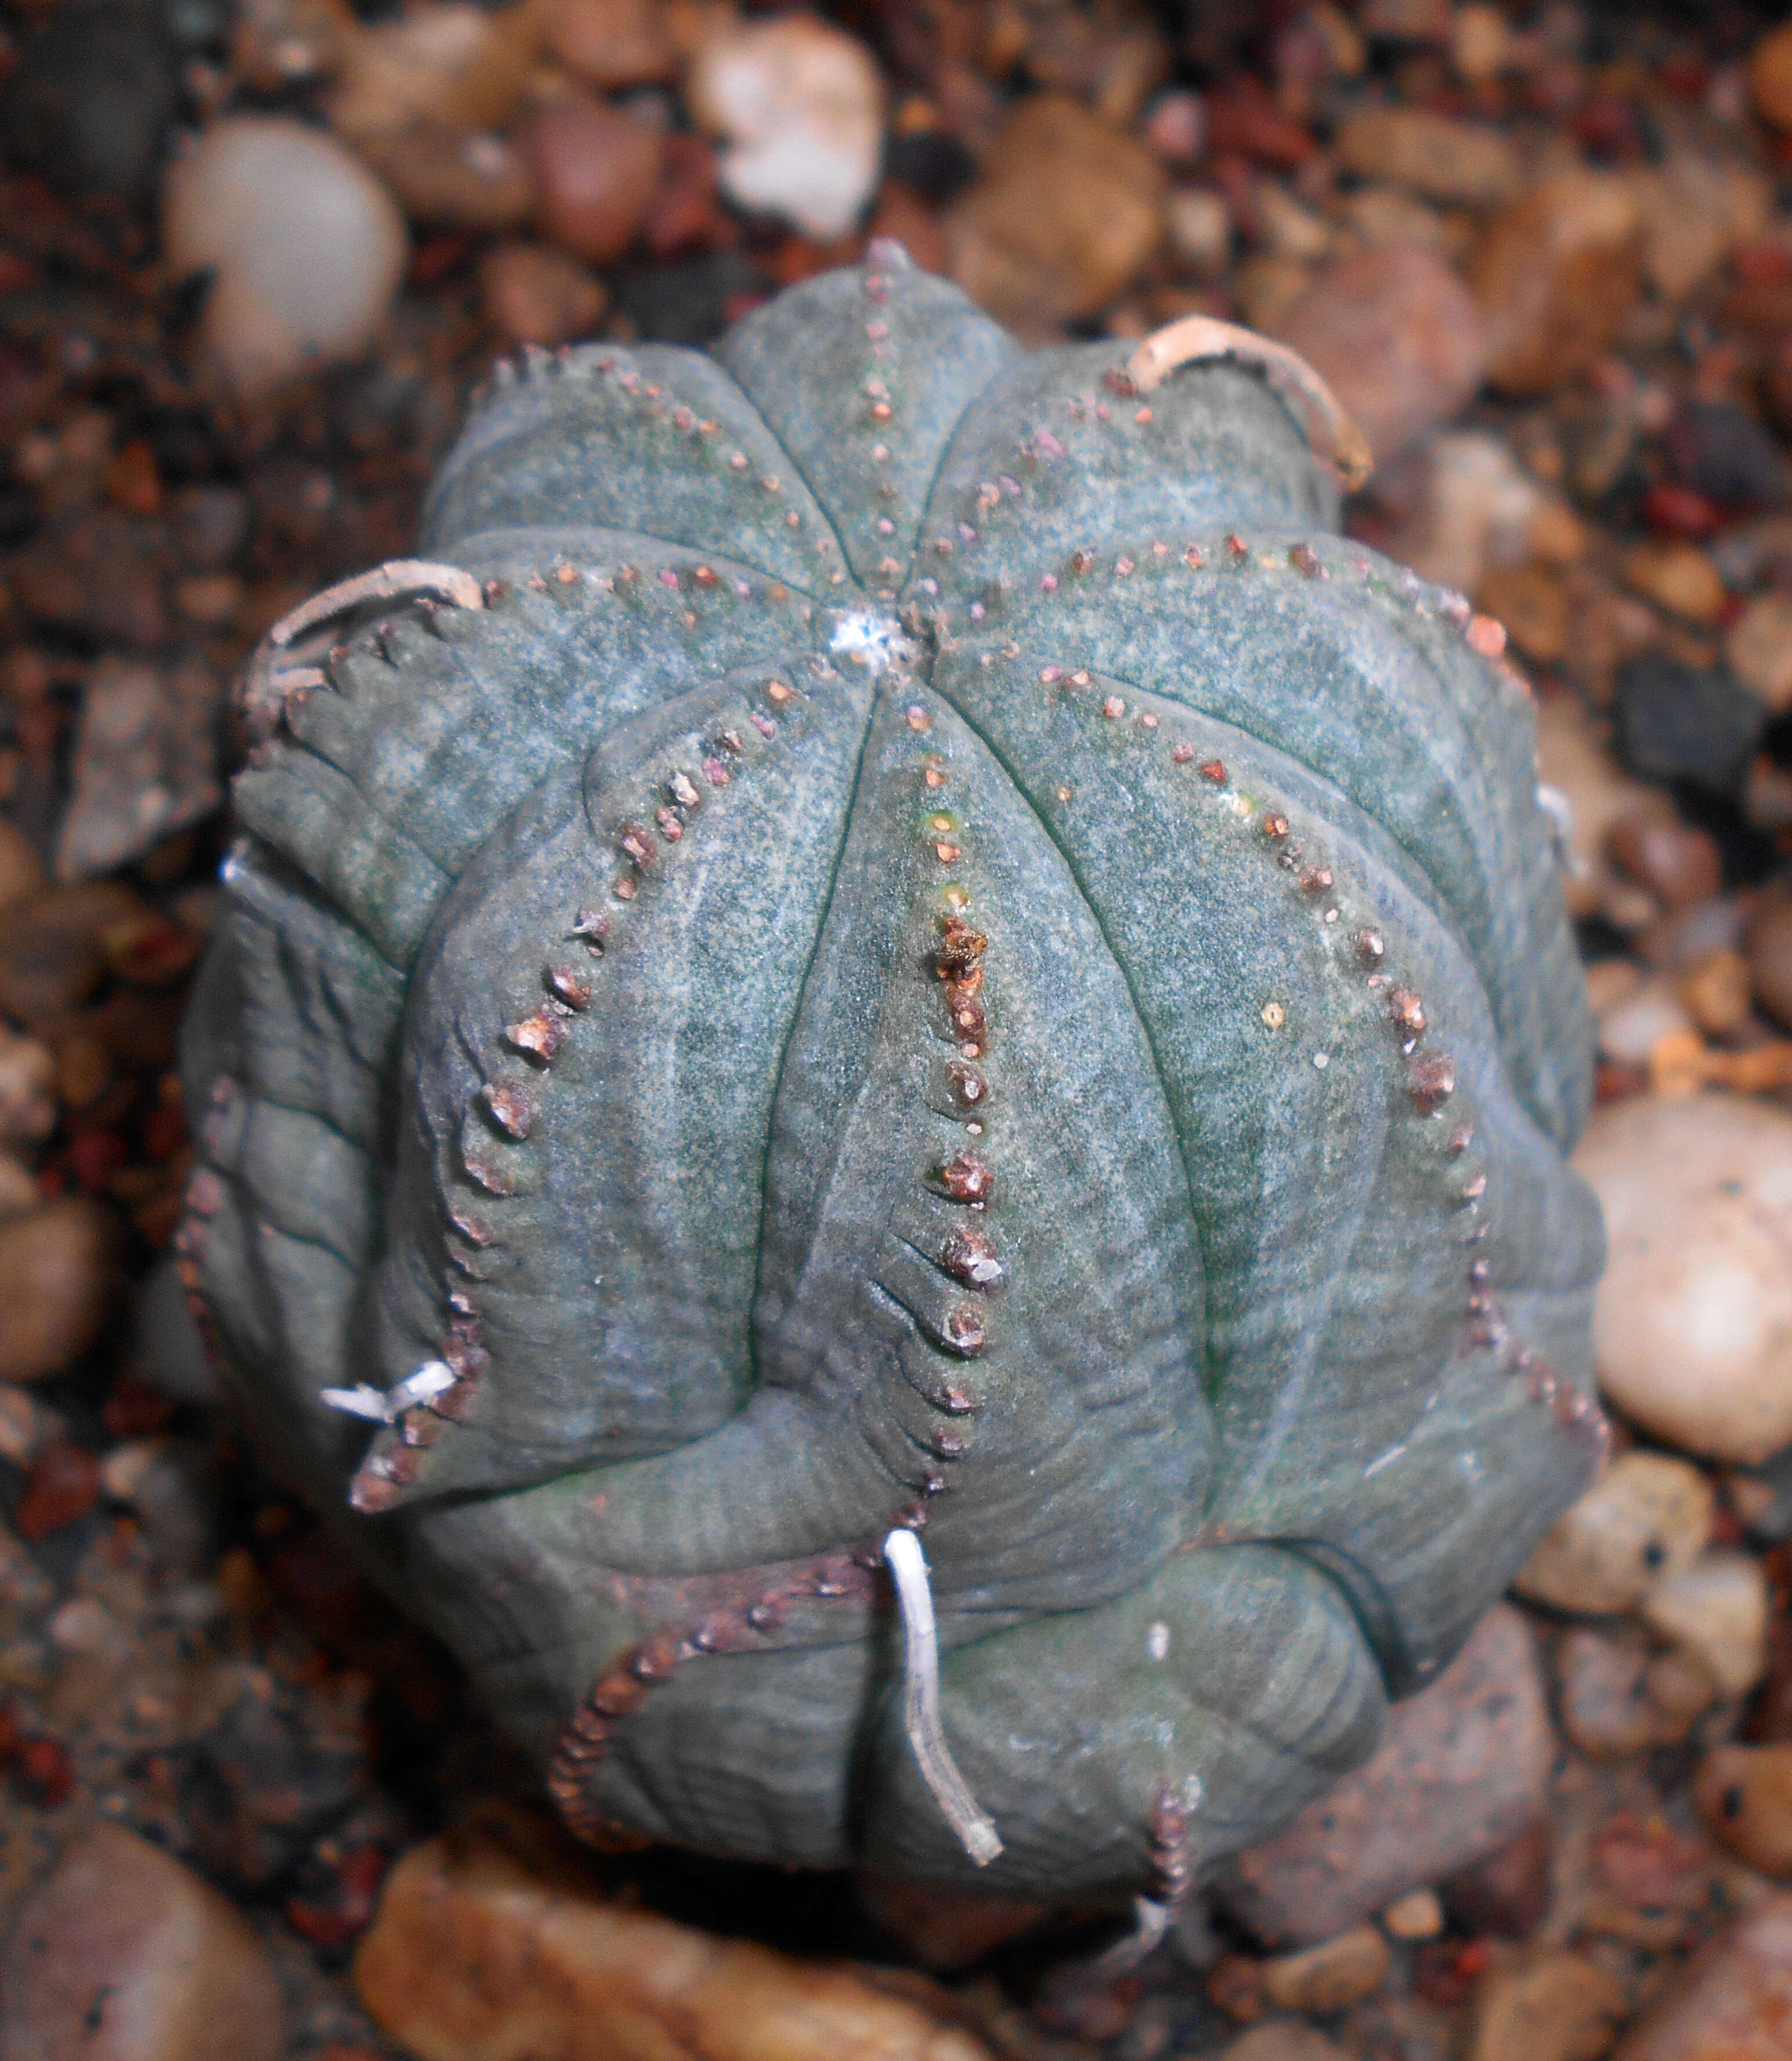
(1716, 1609)
(1744, 1793)
(125, 1955)
(1646, 1521)
(307, 246)
(1327, 1977)
(1557, 2007)
(1632, 1029)
(58, 1273)
(540, 296)
(597, 170)
(1693, 1320)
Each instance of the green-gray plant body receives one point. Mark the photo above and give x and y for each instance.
(920, 942)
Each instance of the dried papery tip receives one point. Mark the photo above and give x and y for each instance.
(920, 1702)
(1197, 338)
(1150, 1920)
(391, 582)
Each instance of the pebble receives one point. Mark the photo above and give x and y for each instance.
(1744, 1793)
(1464, 163)
(446, 63)
(1557, 273)
(1610, 1702)
(1694, 209)
(497, 1940)
(1715, 989)
(1647, 1520)
(1759, 649)
(1419, 1915)
(1474, 509)
(536, 295)
(1285, 2039)
(1532, 602)
(1733, 2001)
(1767, 941)
(1679, 578)
(28, 1075)
(51, 955)
(1691, 1319)
(1398, 339)
(1679, 866)
(1630, 1031)
(1065, 213)
(61, 1486)
(609, 44)
(597, 170)
(58, 1272)
(1460, 1771)
(454, 178)
(1325, 1978)
(1680, 722)
(146, 763)
(800, 106)
(124, 1955)
(306, 247)
(1716, 1609)
(1199, 226)
(1559, 2007)
(1722, 452)
(21, 868)
(1770, 76)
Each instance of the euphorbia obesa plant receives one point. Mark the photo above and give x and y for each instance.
(892, 936)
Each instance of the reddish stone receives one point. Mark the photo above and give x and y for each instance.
(44, 1772)
(134, 1409)
(1507, 1893)
(60, 1486)
(598, 171)
(1679, 511)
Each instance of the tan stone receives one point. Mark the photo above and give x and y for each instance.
(1557, 273)
(536, 295)
(1557, 2007)
(58, 1273)
(124, 1955)
(1573, 759)
(1609, 1703)
(1715, 989)
(1419, 1915)
(1444, 160)
(1680, 578)
(1532, 602)
(452, 64)
(453, 178)
(1759, 649)
(1718, 1608)
(1325, 1978)
(1648, 1518)
(1744, 1793)
(1285, 2039)
(1770, 75)
(1692, 1320)
(1733, 2002)
(1064, 213)
(609, 43)
(496, 1942)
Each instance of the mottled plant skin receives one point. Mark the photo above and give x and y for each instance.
(940, 949)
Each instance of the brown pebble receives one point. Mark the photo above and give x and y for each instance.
(1558, 2007)
(1715, 989)
(1744, 1793)
(1679, 866)
(1767, 944)
(58, 1271)
(598, 169)
(536, 295)
(126, 1955)
(1325, 1978)
(61, 1486)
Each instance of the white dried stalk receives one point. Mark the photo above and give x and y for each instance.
(386, 1406)
(920, 1702)
(396, 579)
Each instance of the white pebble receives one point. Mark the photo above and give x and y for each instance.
(308, 247)
(801, 106)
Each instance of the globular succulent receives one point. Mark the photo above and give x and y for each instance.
(889, 936)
